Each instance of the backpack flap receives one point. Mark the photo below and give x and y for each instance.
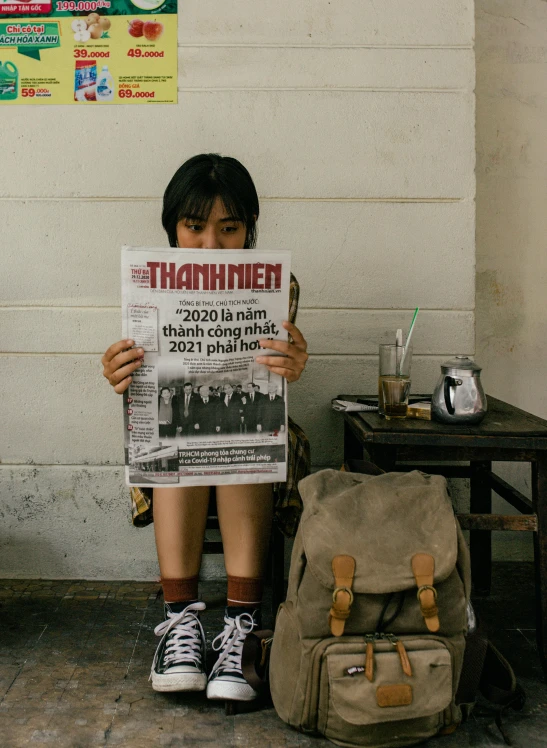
(382, 522)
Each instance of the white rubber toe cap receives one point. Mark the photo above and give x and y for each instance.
(179, 681)
(219, 688)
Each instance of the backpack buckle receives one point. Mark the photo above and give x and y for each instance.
(343, 569)
(342, 589)
(426, 587)
(423, 568)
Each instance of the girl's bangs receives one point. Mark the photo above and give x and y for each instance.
(198, 203)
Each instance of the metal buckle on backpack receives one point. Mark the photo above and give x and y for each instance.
(342, 589)
(426, 587)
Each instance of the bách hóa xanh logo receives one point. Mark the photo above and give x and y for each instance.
(29, 38)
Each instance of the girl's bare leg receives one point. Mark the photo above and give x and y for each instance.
(245, 518)
(180, 516)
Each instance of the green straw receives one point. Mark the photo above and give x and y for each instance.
(411, 330)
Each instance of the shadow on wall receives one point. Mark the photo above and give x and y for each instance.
(27, 556)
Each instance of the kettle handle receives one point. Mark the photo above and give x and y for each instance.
(449, 382)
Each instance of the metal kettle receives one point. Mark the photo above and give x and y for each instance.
(459, 396)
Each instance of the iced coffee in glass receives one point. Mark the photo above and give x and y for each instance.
(394, 380)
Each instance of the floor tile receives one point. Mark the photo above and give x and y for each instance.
(75, 660)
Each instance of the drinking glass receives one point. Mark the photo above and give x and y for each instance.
(395, 362)
(395, 392)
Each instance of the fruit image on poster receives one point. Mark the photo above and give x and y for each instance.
(88, 52)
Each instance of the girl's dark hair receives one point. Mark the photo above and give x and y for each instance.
(198, 182)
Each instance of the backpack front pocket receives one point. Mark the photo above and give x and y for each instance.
(358, 701)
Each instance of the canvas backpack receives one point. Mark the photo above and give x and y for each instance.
(369, 645)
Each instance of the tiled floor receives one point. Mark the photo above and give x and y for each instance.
(75, 659)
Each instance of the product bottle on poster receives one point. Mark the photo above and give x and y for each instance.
(105, 85)
(8, 81)
(85, 80)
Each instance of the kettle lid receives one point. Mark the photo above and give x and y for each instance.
(463, 363)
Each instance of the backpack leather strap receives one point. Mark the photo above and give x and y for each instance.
(255, 658)
(343, 568)
(423, 568)
(369, 661)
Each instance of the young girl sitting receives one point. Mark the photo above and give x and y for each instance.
(211, 203)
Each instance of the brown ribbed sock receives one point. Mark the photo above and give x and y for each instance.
(245, 592)
(180, 590)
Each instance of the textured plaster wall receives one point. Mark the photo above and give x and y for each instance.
(511, 51)
(356, 119)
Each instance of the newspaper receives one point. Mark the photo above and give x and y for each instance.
(200, 411)
(346, 406)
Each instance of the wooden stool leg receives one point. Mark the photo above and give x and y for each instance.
(230, 708)
(539, 497)
(353, 449)
(385, 456)
(480, 541)
(277, 569)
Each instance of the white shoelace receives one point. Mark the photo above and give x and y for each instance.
(185, 644)
(230, 641)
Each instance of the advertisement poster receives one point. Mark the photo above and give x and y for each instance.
(200, 411)
(88, 53)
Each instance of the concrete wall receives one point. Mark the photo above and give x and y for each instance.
(355, 118)
(511, 53)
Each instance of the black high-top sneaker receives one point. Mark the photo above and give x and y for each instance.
(226, 680)
(179, 662)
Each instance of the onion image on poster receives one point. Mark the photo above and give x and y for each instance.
(93, 27)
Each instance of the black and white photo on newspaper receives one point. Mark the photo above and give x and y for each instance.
(201, 410)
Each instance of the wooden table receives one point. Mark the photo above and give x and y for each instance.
(506, 434)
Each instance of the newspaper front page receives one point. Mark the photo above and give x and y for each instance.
(200, 410)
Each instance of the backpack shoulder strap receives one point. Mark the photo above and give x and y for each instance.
(498, 682)
(486, 672)
(500, 687)
(476, 645)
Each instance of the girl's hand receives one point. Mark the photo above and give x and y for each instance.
(119, 362)
(292, 363)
